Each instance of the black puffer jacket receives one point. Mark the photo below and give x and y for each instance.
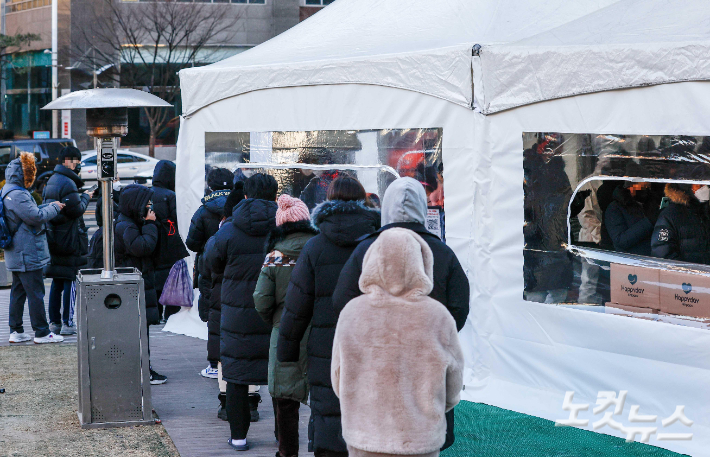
(213, 299)
(451, 287)
(238, 255)
(172, 248)
(627, 225)
(682, 231)
(135, 242)
(205, 221)
(309, 301)
(204, 224)
(66, 234)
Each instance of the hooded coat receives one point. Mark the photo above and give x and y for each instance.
(204, 224)
(285, 243)
(135, 242)
(404, 205)
(238, 255)
(26, 221)
(627, 224)
(395, 382)
(172, 248)
(682, 231)
(67, 236)
(309, 302)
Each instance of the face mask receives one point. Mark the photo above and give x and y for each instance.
(703, 194)
(641, 196)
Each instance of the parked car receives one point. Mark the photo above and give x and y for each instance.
(46, 155)
(132, 167)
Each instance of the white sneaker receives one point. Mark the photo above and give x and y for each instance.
(51, 338)
(19, 337)
(209, 372)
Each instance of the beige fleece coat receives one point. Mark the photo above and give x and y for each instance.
(397, 363)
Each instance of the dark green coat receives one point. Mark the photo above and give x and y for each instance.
(286, 380)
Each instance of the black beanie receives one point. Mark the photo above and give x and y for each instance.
(69, 152)
(220, 178)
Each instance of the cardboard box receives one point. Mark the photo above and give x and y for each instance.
(631, 309)
(685, 294)
(635, 286)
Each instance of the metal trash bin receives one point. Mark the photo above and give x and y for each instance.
(114, 376)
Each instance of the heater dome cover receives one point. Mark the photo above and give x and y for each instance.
(106, 98)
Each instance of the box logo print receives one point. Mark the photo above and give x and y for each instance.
(633, 279)
(687, 288)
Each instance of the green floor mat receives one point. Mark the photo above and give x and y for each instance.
(488, 431)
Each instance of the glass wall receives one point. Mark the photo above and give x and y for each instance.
(620, 221)
(305, 163)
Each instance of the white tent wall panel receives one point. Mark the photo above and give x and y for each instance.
(529, 353)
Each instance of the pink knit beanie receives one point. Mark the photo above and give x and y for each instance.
(291, 210)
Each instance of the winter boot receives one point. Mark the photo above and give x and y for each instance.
(254, 400)
(222, 411)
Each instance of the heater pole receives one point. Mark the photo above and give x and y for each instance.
(107, 208)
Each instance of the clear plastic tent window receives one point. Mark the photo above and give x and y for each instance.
(304, 163)
(619, 224)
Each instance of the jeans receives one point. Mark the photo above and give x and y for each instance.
(238, 411)
(28, 285)
(56, 301)
(286, 425)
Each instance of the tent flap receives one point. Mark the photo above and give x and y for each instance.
(444, 73)
(514, 76)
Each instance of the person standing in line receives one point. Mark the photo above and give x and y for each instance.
(28, 254)
(214, 298)
(67, 237)
(397, 361)
(287, 382)
(204, 224)
(405, 206)
(238, 255)
(135, 242)
(171, 248)
(342, 219)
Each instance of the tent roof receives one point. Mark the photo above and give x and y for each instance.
(418, 45)
(631, 43)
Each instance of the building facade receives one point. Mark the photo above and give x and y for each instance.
(27, 74)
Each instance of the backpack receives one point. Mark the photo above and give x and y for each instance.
(5, 232)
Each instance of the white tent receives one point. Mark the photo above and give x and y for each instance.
(576, 67)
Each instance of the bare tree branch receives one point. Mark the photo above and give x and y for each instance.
(149, 43)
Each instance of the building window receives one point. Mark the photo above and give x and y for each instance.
(317, 2)
(14, 6)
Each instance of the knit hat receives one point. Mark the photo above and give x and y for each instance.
(291, 210)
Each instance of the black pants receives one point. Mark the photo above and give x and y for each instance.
(57, 315)
(449, 430)
(286, 425)
(28, 285)
(328, 453)
(170, 310)
(238, 411)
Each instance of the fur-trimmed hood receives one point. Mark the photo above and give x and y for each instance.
(399, 262)
(22, 171)
(278, 235)
(681, 194)
(343, 222)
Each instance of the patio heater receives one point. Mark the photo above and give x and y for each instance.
(112, 339)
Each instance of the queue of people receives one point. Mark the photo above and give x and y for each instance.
(283, 275)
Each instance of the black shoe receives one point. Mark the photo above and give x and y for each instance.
(254, 400)
(156, 378)
(222, 413)
(239, 447)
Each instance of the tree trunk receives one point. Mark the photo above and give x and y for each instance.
(151, 144)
